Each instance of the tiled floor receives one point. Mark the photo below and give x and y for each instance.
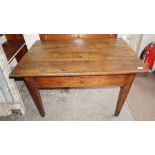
(141, 98)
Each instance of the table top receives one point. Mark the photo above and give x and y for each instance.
(79, 57)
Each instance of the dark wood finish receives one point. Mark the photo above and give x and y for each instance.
(79, 63)
(97, 36)
(12, 48)
(123, 93)
(125, 81)
(75, 36)
(14, 37)
(34, 91)
(58, 36)
(80, 81)
(79, 57)
(22, 52)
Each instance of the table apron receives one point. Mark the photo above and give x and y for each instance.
(79, 81)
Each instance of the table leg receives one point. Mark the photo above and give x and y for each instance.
(34, 91)
(123, 93)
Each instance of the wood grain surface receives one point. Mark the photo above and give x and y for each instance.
(80, 81)
(79, 57)
(124, 93)
(75, 36)
(12, 47)
(86, 62)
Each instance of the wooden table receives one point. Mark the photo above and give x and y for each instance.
(79, 63)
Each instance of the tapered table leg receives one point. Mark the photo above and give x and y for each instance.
(123, 93)
(34, 91)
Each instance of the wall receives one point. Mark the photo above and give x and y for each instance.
(30, 39)
(133, 40)
(8, 90)
(2, 39)
(5, 95)
(146, 39)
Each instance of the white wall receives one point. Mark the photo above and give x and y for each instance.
(8, 89)
(2, 39)
(146, 39)
(133, 40)
(30, 39)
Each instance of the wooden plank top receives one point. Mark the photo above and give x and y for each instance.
(79, 57)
